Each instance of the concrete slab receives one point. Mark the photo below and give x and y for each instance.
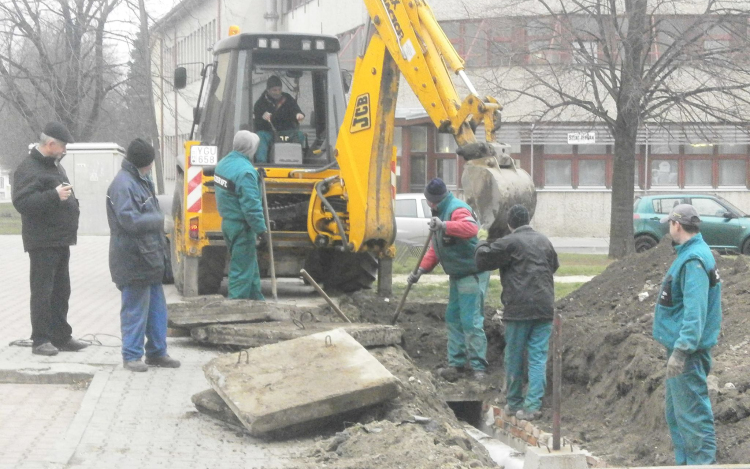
(260, 334)
(544, 458)
(263, 385)
(45, 373)
(209, 402)
(213, 310)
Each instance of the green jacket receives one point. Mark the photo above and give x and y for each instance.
(238, 195)
(688, 310)
(456, 254)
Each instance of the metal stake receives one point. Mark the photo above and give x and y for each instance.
(556, 379)
(324, 295)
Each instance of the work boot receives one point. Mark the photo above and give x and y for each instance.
(164, 362)
(451, 373)
(72, 345)
(46, 349)
(528, 415)
(479, 375)
(510, 411)
(135, 365)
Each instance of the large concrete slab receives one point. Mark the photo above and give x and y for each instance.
(46, 373)
(218, 310)
(282, 385)
(260, 334)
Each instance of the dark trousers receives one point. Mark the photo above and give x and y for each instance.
(50, 292)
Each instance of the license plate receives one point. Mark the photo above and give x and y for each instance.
(204, 155)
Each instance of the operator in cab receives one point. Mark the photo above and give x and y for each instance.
(276, 113)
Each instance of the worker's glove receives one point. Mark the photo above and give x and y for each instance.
(261, 241)
(676, 363)
(436, 224)
(414, 277)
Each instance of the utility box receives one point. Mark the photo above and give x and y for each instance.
(91, 167)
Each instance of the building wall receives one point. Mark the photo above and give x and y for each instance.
(5, 189)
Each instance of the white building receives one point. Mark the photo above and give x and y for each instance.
(5, 193)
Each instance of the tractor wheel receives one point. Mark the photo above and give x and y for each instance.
(211, 269)
(644, 243)
(350, 272)
(176, 256)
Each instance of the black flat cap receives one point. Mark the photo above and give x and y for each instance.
(58, 131)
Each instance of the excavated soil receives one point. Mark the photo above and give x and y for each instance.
(613, 371)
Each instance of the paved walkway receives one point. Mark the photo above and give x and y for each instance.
(123, 419)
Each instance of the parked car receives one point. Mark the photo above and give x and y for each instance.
(724, 226)
(412, 215)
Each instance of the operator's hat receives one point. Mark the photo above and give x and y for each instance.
(684, 214)
(435, 191)
(140, 153)
(58, 131)
(273, 82)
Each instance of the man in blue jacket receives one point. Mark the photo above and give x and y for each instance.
(137, 254)
(238, 198)
(687, 322)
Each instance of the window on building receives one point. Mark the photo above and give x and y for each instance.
(417, 178)
(2, 182)
(699, 149)
(665, 149)
(592, 149)
(447, 170)
(591, 172)
(557, 173)
(664, 172)
(708, 207)
(445, 143)
(406, 208)
(735, 149)
(418, 138)
(558, 149)
(698, 173)
(664, 206)
(732, 172)
(398, 140)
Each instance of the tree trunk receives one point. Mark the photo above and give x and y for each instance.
(623, 181)
(145, 45)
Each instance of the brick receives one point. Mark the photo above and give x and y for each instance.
(536, 432)
(496, 411)
(499, 422)
(529, 428)
(532, 440)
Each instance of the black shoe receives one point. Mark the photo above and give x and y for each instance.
(164, 362)
(46, 349)
(135, 365)
(451, 373)
(72, 345)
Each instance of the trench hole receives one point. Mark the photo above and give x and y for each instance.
(467, 411)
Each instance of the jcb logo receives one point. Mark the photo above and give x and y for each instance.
(361, 118)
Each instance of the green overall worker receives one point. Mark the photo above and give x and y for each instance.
(238, 196)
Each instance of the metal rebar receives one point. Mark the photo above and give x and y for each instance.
(324, 295)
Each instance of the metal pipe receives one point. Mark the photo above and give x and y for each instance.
(556, 379)
(324, 295)
(271, 16)
(467, 82)
(270, 239)
(645, 168)
(408, 285)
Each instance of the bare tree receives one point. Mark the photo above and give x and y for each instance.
(629, 63)
(54, 62)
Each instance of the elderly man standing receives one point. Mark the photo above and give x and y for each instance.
(454, 238)
(527, 262)
(137, 254)
(238, 198)
(43, 196)
(687, 322)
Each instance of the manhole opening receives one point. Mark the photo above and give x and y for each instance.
(467, 411)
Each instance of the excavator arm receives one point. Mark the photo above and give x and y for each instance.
(409, 40)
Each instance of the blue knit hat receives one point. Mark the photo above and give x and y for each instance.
(435, 191)
(518, 216)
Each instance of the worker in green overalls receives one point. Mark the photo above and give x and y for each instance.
(238, 196)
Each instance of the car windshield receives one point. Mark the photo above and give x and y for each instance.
(729, 205)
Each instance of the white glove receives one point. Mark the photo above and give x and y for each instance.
(436, 224)
(676, 363)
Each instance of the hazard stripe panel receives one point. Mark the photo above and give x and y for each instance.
(195, 189)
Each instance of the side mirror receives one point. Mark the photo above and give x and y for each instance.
(180, 78)
(197, 111)
(729, 215)
(346, 80)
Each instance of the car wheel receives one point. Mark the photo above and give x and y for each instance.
(746, 247)
(644, 243)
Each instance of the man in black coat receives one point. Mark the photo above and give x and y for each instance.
(43, 196)
(527, 262)
(137, 255)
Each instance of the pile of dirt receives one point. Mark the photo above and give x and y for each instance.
(613, 391)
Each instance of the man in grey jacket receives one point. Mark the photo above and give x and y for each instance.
(527, 262)
(137, 260)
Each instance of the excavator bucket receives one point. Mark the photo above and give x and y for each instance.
(492, 186)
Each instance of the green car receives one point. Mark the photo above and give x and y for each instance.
(724, 226)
